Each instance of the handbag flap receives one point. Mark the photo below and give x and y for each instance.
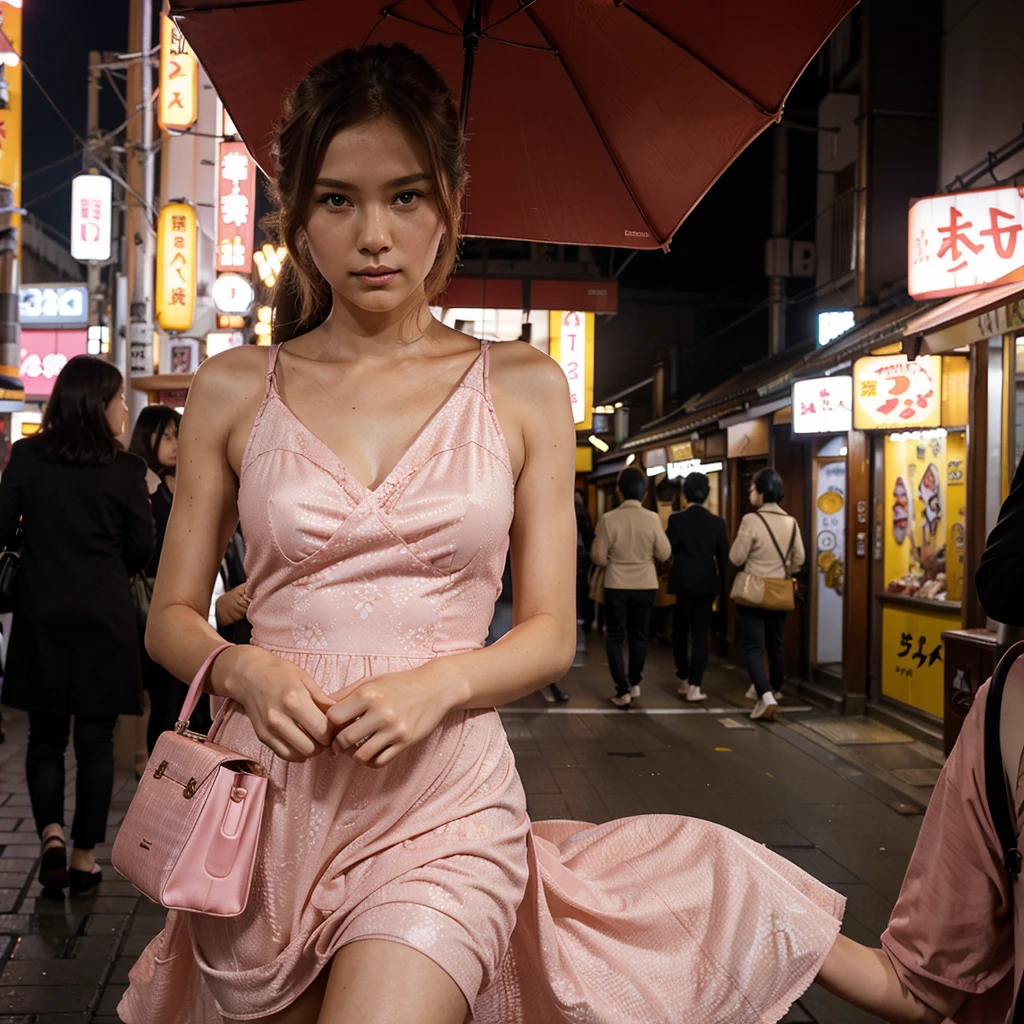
(167, 805)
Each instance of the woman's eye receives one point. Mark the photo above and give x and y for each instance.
(334, 200)
(407, 198)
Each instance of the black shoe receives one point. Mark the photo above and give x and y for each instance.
(85, 881)
(53, 868)
(559, 694)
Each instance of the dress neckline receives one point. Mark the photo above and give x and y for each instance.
(413, 445)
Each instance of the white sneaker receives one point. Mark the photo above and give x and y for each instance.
(621, 702)
(695, 694)
(765, 709)
(634, 691)
(751, 693)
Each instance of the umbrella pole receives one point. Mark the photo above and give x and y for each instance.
(470, 41)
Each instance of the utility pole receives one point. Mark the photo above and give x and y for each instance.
(779, 246)
(93, 143)
(140, 244)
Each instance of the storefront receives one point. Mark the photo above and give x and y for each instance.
(915, 413)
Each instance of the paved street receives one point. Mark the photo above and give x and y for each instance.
(846, 812)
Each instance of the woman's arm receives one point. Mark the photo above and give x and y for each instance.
(392, 713)
(138, 532)
(740, 550)
(284, 703)
(799, 554)
(10, 496)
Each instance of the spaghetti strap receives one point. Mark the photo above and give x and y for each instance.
(485, 360)
(272, 362)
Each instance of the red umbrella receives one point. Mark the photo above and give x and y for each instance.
(594, 122)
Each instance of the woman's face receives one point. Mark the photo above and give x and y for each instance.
(116, 411)
(373, 227)
(167, 447)
(756, 497)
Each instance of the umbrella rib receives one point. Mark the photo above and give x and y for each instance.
(419, 24)
(600, 134)
(723, 78)
(441, 14)
(522, 5)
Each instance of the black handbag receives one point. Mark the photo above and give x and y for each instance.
(1000, 807)
(10, 564)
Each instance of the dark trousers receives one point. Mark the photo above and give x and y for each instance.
(628, 615)
(691, 618)
(44, 766)
(763, 629)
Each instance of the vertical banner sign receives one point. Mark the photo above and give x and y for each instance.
(572, 347)
(178, 108)
(236, 205)
(90, 217)
(10, 117)
(176, 267)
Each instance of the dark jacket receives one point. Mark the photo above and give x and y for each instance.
(1001, 569)
(74, 644)
(160, 500)
(699, 541)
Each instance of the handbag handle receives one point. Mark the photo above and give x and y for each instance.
(792, 541)
(192, 697)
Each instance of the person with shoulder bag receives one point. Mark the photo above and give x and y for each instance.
(768, 549)
(80, 502)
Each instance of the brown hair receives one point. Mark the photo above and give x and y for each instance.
(347, 89)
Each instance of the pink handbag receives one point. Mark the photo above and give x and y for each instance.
(189, 838)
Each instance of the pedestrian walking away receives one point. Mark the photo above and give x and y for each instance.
(382, 464)
(768, 545)
(628, 542)
(80, 502)
(700, 553)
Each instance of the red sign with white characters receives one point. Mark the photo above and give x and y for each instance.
(236, 207)
(964, 241)
(44, 354)
(896, 393)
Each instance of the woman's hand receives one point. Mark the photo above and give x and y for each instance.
(389, 714)
(286, 707)
(232, 606)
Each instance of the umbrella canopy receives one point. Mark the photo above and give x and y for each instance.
(594, 122)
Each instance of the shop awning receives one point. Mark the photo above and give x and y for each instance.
(968, 318)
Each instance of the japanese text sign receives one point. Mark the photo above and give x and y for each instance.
(823, 405)
(964, 241)
(53, 305)
(179, 80)
(895, 393)
(176, 267)
(913, 655)
(572, 347)
(90, 217)
(44, 354)
(236, 206)
(10, 115)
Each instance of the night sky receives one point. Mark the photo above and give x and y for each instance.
(719, 251)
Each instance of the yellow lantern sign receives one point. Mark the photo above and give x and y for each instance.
(178, 108)
(572, 347)
(176, 265)
(10, 115)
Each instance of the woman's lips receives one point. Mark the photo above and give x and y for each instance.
(377, 280)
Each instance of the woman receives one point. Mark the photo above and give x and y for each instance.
(155, 441)
(767, 544)
(81, 502)
(379, 461)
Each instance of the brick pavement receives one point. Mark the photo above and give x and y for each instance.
(847, 822)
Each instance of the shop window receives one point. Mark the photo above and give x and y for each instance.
(925, 514)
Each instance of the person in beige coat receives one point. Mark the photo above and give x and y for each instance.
(628, 541)
(767, 544)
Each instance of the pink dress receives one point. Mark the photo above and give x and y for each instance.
(644, 920)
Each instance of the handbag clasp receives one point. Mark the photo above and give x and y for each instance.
(160, 770)
(189, 789)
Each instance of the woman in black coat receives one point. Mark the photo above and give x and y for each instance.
(81, 502)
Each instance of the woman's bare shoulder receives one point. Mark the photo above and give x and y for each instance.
(228, 383)
(528, 376)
